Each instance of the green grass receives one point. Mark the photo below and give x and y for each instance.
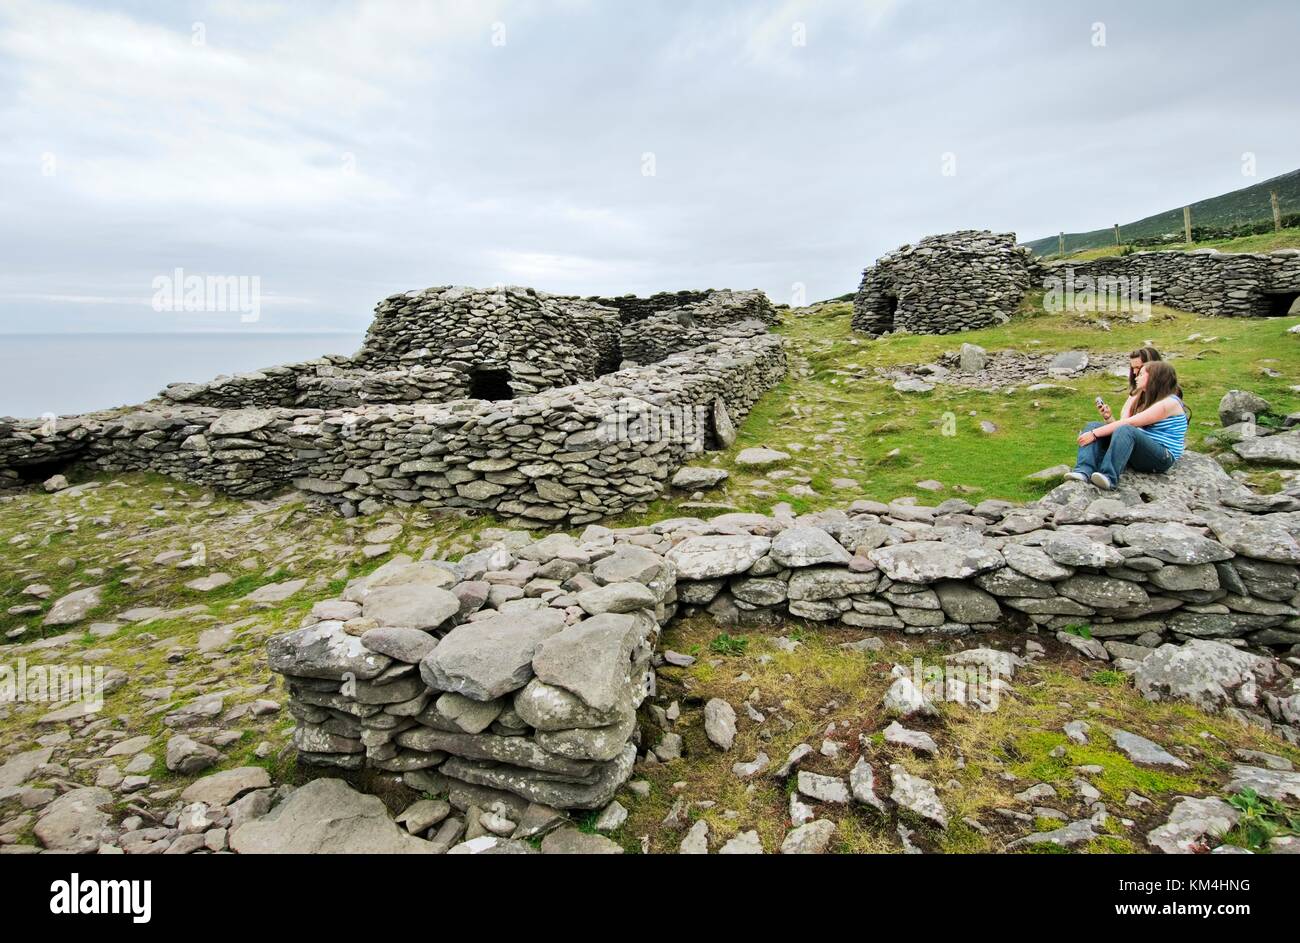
(838, 420)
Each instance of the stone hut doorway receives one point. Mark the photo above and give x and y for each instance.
(890, 313)
(490, 384)
(1278, 304)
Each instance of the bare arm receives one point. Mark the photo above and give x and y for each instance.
(1161, 410)
(1128, 405)
(1152, 414)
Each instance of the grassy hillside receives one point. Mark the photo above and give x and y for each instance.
(1238, 208)
(1264, 242)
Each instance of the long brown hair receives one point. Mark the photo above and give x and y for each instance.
(1146, 355)
(1162, 382)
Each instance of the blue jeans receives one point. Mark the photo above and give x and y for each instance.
(1126, 446)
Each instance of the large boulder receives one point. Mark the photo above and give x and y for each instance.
(1195, 480)
(326, 817)
(1258, 536)
(494, 656)
(1205, 672)
(1241, 406)
(1282, 449)
(75, 606)
(77, 821)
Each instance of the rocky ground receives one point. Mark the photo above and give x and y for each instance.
(797, 737)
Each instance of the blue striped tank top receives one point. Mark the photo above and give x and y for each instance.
(1171, 432)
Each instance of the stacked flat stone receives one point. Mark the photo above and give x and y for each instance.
(1204, 281)
(518, 668)
(655, 335)
(271, 386)
(944, 284)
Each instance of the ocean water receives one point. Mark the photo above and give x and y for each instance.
(76, 373)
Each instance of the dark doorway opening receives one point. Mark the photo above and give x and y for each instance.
(891, 310)
(42, 471)
(490, 384)
(1278, 304)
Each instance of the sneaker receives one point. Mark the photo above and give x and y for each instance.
(1101, 481)
(1075, 476)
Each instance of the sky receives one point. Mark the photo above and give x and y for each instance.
(325, 155)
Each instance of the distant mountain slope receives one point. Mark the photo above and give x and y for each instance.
(1226, 211)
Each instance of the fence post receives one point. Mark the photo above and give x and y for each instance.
(1277, 212)
(1117, 234)
(1060, 245)
(1187, 224)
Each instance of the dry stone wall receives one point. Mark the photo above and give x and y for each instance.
(566, 455)
(517, 670)
(1204, 281)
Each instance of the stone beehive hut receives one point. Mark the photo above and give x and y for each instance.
(498, 344)
(944, 284)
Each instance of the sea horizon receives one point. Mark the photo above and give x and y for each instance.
(66, 373)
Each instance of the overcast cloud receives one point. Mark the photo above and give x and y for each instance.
(345, 151)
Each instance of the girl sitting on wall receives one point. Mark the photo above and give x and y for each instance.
(1150, 438)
